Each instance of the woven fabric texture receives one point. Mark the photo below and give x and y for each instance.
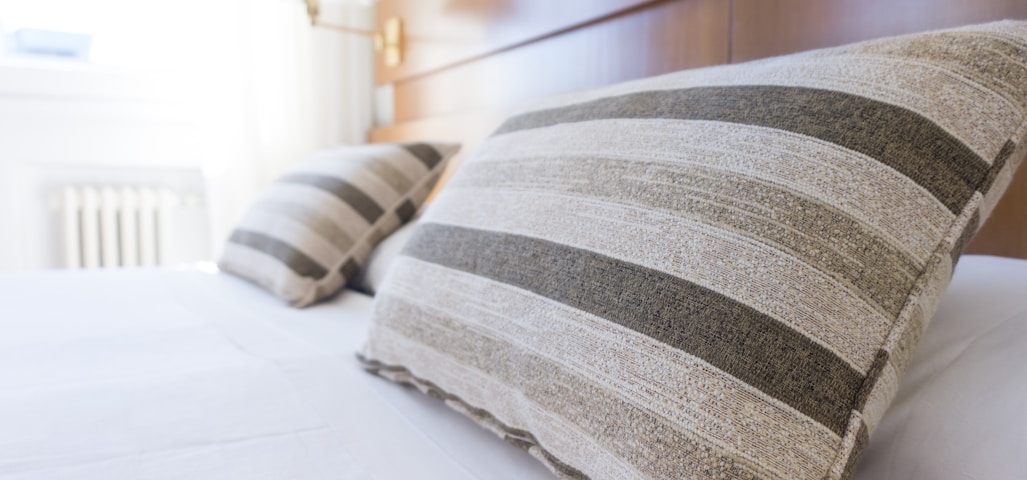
(314, 228)
(718, 273)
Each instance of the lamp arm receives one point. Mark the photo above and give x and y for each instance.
(389, 41)
(343, 28)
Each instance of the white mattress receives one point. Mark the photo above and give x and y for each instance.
(183, 374)
(961, 410)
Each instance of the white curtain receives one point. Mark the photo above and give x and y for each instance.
(306, 87)
(255, 85)
(297, 89)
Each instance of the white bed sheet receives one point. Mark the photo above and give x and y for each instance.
(159, 374)
(154, 374)
(961, 410)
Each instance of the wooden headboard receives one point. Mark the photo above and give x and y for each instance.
(468, 62)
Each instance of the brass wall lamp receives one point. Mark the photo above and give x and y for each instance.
(389, 41)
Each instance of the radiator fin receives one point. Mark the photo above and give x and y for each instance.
(115, 226)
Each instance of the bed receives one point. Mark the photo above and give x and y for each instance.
(192, 372)
(196, 374)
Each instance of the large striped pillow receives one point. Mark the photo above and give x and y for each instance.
(313, 229)
(718, 273)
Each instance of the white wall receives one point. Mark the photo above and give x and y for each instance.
(65, 122)
(225, 102)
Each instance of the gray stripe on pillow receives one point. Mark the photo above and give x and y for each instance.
(553, 331)
(349, 268)
(659, 448)
(343, 190)
(405, 211)
(742, 341)
(427, 154)
(354, 173)
(817, 233)
(340, 213)
(997, 65)
(893, 135)
(791, 291)
(390, 175)
(847, 180)
(296, 260)
(996, 166)
(953, 95)
(323, 225)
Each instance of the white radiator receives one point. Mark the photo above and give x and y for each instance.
(108, 226)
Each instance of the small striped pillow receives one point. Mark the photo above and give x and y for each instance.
(718, 273)
(313, 229)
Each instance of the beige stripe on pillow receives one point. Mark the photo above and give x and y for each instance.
(849, 181)
(553, 330)
(800, 295)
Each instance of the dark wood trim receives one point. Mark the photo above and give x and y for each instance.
(670, 36)
(440, 34)
(1005, 232)
(764, 28)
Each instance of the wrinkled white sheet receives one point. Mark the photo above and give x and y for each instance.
(167, 374)
(961, 410)
(170, 374)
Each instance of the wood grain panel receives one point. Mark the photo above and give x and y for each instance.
(763, 28)
(656, 39)
(439, 33)
(1005, 232)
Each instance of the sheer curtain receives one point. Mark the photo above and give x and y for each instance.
(307, 88)
(251, 82)
(298, 89)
